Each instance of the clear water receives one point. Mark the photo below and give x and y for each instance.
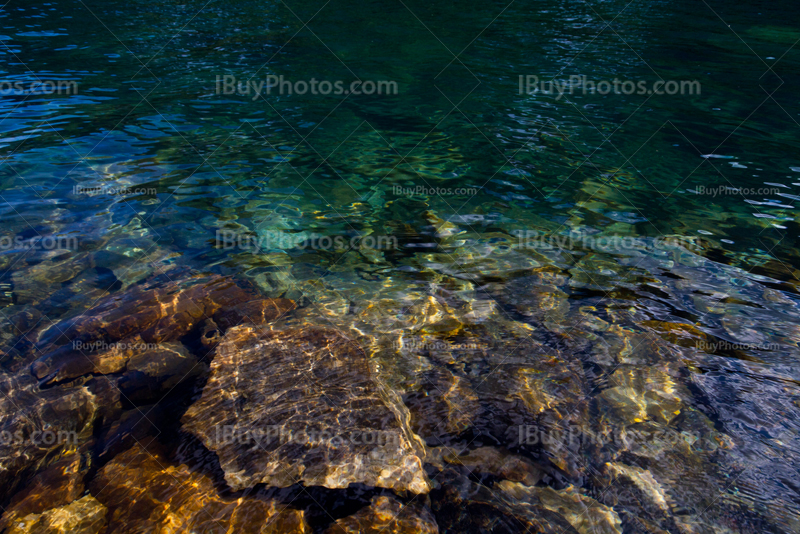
(617, 186)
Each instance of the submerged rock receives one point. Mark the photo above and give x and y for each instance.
(461, 505)
(303, 405)
(153, 373)
(59, 484)
(498, 462)
(145, 492)
(72, 361)
(256, 312)
(641, 394)
(389, 516)
(163, 313)
(84, 516)
(586, 515)
(445, 405)
(41, 424)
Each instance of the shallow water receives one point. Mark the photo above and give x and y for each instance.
(565, 310)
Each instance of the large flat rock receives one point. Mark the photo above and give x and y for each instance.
(304, 406)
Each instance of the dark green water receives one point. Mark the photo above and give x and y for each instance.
(599, 225)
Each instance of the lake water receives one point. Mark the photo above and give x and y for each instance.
(552, 248)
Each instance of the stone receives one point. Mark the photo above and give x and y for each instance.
(153, 373)
(74, 360)
(257, 312)
(84, 516)
(498, 462)
(444, 405)
(586, 515)
(303, 405)
(157, 312)
(461, 505)
(638, 395)
(57, 485)
(146, 492)
(41, 425)
(389, 516)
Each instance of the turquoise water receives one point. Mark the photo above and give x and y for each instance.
(647, 236)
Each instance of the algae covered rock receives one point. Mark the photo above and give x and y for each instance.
(303, 405)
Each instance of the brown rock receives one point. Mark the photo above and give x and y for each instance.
(145, 492)
(281, 407)
(77, 359)
(255, 312)
(498, 462)
(389, 516)
(84, 516)
(163, 313)
(57, 485)
(38, 425)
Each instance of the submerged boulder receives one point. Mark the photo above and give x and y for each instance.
(84, 516)
(304, 405)
(387, 515)
(145, 492)
(58, 485)
(162, 312)
(38, 425)
(586, 515)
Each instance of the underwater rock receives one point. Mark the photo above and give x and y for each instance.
(585, 514)
(84, 516)
(387, 515)
(444, 405)
(36, 283)
(162, 313)
(432, 315)
(57, 485)
(640, 394)
(538, 296)
(310, 409)
(256, 312)
(42, 423)
(643, 480)
(145, 492)
(499, 463)
(74, 360)
(441, 227)
(477, 311)
(461, 505)
(210, 334)
(153, 373)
